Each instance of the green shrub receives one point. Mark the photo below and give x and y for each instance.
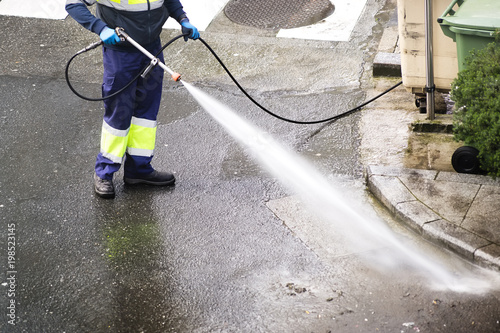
(476, 93)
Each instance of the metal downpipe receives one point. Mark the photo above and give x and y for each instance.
(429, 61)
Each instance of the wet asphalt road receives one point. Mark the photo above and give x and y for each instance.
(206, 255)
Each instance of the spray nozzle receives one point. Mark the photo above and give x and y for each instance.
(176, 76)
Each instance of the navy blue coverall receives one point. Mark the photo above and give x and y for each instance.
(129, 124)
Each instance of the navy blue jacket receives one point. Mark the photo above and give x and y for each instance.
(144, 25)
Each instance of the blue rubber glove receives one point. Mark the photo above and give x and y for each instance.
(188, 28)
(109, 36)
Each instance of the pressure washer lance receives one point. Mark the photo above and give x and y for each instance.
(154, 60)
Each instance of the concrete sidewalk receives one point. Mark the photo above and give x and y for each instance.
(458, 211)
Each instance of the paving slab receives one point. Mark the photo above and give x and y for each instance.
(387, 64)
(389, 41)
(455, 238)
(387, 61)
(390, 191)
(451, 201)
(457, 211)
(416, 214)
(488, 256)
(467, 178)
(483, 215)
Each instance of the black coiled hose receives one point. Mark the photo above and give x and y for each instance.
(330, 119)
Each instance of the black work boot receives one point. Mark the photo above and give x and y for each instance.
(157, 178)
(103, 187)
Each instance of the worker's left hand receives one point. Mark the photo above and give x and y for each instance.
(189, 30)
(109, 36)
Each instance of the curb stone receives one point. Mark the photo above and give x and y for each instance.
(387, 185)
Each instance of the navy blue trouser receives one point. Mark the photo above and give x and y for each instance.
(129, 124)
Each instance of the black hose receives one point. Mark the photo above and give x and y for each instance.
(344, 114)
(93, 46)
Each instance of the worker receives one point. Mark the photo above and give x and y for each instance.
(129, 125)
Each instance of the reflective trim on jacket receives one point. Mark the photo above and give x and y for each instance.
(128, 5)
(132, 5)
(142, 19)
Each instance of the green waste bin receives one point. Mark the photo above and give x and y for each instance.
(471, 24)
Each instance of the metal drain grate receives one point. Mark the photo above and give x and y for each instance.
(278, 14)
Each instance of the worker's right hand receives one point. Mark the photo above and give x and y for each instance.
(109, 36)
(189, 30)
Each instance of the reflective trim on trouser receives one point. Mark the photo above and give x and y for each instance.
(130, 117)
(113, 142)
(142, 137)
(138, 140)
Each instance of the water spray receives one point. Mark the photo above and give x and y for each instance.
(301, 177)
(330, 206)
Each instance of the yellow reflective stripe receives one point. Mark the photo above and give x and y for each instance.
(142, 137)
(135, 2)
(138, 140)
(114, 145)
(113, 142)
(131, 2)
